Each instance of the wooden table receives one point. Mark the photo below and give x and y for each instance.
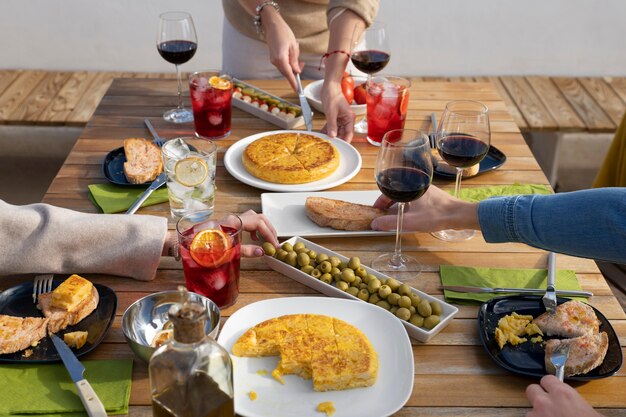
(453, 374)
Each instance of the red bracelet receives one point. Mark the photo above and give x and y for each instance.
(327, 54)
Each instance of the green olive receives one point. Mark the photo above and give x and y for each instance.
(325, 267)
(354, 262)
(415, 299)
(363, 286)
(404, 289)
(404, 301)
(413, 310)
(342, 265)
(363, 294)
(393, 310)
(337, 277)
(334, 261)
(287, 247)
(384, 291)
(393, 299)
(312, 254)
(416, 320)
(307, 269)
(374, 298)
(316, 273)
(292, 258)
(347, 275)
(334, 270)
(298, 245)
(431, 321)
(268, 248)
(403, 313)
(326, 278)
(322, 257)
(374, 285)
(424, 309)
(281, 255)
(301, 250)
(394, 284)
(384, 304)
(436, 308)
(313, 263)
(303, 259)
(360, 272)
(357, 281)
(353, 291)
(342, 285)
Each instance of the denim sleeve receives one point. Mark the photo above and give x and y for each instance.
(587, 223)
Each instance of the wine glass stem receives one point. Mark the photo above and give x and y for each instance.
(180, 96)
(457, 185)
(396, 260)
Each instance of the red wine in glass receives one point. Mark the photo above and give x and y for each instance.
(461, 150)
(177, 52)
(370, 61)
(403, 184)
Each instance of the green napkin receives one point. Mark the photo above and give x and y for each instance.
(113, 198)
(476, 194)
(48, 388)
(498, 278)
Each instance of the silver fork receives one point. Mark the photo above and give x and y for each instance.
(558, 359)
(157, 140)
(549, 298)
(42, 285)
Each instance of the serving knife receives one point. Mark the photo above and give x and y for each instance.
(87, 395)
(549, 298)
(160, 180)
(304, 104)
(538, 291)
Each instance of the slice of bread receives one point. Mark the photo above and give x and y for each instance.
(59, 318)
(585, 353)
(341, 215)
(18, 333)
(143, 160)
(571, 319)
(443, 167)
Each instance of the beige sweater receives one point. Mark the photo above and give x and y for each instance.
(40, 238)
(306, 18)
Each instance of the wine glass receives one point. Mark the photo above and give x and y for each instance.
(403, 173)
(462, 141)
(370, 54)
(177, 44)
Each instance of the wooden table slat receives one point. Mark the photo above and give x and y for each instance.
(588, 110)
(606, 97)
(564, 115)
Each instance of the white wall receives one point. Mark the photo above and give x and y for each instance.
(429, 37)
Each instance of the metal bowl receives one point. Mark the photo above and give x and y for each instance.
(148, 315)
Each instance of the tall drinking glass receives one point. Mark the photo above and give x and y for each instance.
(403, 172)
(211, 100)
(177, 43)
(387, 104)
(462, 140)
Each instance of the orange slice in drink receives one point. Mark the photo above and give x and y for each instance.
(219, 83)
(209, 248)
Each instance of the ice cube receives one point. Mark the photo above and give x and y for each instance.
(219, 281)
(177, 148)
(215, 117)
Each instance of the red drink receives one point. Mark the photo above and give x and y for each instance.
(211, 254)
(211, 98)
(387, 104)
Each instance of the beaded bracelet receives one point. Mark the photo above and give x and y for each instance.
(257, 18)
(327, 54)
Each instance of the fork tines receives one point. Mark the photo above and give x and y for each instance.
(41, 285)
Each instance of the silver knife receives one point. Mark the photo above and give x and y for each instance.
(549, 298)
(306, 109)
(87, 395)
(160, 180)
(433, 139)
(565, 293)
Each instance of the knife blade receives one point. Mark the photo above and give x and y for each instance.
(153, 131)
(87, 395)
(160, 180)
(538, 291)
(433, 137)
(306, 109)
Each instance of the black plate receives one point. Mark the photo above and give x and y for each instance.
(18, 301)
(528, 358)
(493, 160)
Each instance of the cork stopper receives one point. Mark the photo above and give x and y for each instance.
(189, 319)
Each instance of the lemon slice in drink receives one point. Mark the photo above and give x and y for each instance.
(191, 171)
(219, 83)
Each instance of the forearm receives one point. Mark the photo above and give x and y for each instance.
(40, 238)
(341, 29)
(588, 223)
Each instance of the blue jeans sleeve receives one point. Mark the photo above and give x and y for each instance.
(587, 223)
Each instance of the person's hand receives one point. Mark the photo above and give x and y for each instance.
(553, 398)
(257, 224)
(339, 116)
(283, 47)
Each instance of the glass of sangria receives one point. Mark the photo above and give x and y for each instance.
(211, 99)
(387, 104)
(210, 249)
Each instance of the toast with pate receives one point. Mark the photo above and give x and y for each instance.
(143, 160)
(341, 215)
(585, 353)
(19, 333)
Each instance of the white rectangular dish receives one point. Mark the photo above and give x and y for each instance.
(264, 114)
(418, 333)
(287, 213)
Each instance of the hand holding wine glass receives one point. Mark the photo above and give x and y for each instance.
(462, 140)
(177, 44)
(403, 173)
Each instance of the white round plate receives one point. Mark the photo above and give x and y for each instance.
(349, 165)
(297, 397)
(313, 92)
